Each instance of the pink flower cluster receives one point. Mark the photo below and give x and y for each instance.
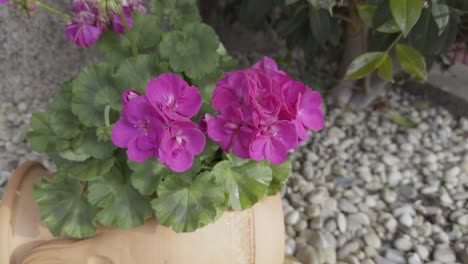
(158, 124)
(263, 113)
(89, 21)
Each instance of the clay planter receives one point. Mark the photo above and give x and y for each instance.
(252, 236)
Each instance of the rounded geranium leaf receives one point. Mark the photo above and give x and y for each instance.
(188, 201)
(191, 50)
(93, 90)
(98, 149)
(63, 209)
(41, 137)
(63, 121)
(91, 169)
(147, 175)
(176, 12)
(135, 72)
(121, 204)
(280, 174)
(245, 184)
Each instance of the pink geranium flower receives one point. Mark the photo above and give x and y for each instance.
(181, 141)
(173, 97)
(263, 113)
(4, 1)
(138, 130)
(117, 22)
(231, 132)
(84, 28)
(129, 95)
(273, 142)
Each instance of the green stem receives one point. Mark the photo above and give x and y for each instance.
(106, 115)
(53, 10)
(127, 30)
(394, 43)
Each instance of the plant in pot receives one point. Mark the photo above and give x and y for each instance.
(163, 153)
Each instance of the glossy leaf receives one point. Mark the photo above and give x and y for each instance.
(385, 70)
(364, 64)
(441, 13)
(398, 119)
(147, 175)
(246, 183)
(406, 13)
(366, 12)
(411, 60)
(121, 204)
(91, 169)
(189, 201)
(93, 90)
(63, 209)
(191, 50)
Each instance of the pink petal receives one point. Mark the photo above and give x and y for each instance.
(241, 143)
(217, 133)
(177, 161)
(196, 141)
(122, 133)
(266, 63)
(129, 95)
(117, 22)
(257, 148)
(189, 102)
(275, 151)
(313, 119)
(135, 154)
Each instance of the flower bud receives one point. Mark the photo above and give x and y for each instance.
(129, 95)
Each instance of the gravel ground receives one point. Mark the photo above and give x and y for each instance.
(366, 190)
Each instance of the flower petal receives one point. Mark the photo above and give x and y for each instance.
(196, 141)
(257, 148)
(275, 151)
(122, 133)
(135, 154)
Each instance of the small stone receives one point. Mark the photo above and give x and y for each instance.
(308, 171)
(403, 243)
(389, 196)
(414, 259)
(390, 160)
(464, 166)
(290, 246)
(463, 220)
(330, 225)
(372, 240)
(315, 197)
(395, 256)
(422, 251)
(293, 218)
(444, 254)
(406, 220)
(301, 225)
(364, 173)
(348, 248)
(394, 178)
(453, 172)
(408, 192)
(341, 221)
(22, 107)
(347, 207)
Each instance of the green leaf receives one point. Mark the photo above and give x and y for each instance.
(385, 70)
(441, 13)
(319, 21)
(411, 60)
(406, 13)
(91, 145)
(389, 27)
(41, 138)
(280, 174)
(91, 169)
(191, 50)
(63, 122)
(177, 13)
(136, 72)
(425, 34)
(366, 12)
(188, 202)
(147, 175)
(93, 90)
(364, 64)
(63, 209)
(245, 184)
(401, 120)
(121, 204)
(145, 33)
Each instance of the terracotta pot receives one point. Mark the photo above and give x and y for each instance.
(255, 235)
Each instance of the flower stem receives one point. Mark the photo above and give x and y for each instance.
(394, 43)
(106, 115)
(127, 30)
(53, 10)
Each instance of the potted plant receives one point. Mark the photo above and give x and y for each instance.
(163, 152)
